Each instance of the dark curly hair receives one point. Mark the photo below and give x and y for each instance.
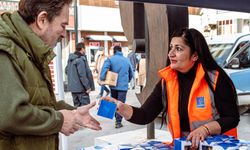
(29, 9)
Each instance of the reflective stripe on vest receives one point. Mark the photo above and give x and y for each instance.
(201, 104)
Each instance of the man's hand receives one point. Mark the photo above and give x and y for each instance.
(74, 119)
(95, 70)
(85, 119)
(69, 122)
(88, 91)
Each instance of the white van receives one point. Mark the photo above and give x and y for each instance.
(234, 57)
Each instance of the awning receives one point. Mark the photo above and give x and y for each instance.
(100, 37)
(120, 38)
(107, 38)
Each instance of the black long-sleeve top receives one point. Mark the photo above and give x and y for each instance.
(225, 103)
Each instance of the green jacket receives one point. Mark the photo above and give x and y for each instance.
(29, 119)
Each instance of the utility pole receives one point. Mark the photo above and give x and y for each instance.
(59, 78)
(76, 22)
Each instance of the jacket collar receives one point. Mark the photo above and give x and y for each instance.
(118, 53)
(169, 74)
(18, 31)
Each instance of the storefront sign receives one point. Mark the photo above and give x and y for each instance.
(116, 44)
(97, 44)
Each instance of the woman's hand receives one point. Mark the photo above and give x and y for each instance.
(198, 135)
(123, 109)
(203, 131)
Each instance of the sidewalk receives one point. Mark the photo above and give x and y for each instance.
(86, 137)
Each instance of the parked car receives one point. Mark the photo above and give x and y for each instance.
(235, 59)
(224, 47)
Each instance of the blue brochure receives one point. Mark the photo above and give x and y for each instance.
(107, 109)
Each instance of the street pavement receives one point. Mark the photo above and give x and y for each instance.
(86, 137)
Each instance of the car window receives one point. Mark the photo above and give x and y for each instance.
(220, 52)
(244, 58)
(240, 46)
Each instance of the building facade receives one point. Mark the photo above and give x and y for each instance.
(220, 22)
(98, 25)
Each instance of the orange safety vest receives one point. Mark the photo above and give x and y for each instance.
(201, 105)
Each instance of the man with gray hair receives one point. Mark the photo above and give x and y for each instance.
(31, 118)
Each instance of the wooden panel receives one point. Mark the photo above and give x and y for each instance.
(156, 55)
(126, 12)
(160, 21)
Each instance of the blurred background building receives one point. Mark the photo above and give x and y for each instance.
(98, 23)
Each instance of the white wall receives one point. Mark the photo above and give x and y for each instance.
(195, 22)
(93, 18)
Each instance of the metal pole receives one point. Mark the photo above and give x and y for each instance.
(106, 44)
(150, 126)
(151, 130)
(59, 76)
(76, 22)
(59, 70)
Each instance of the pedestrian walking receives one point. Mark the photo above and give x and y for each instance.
(120, 65)
(134, 62)
(80, 78)
(98, 67)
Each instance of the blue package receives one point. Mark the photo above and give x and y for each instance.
(228, 145)
(152, 143)
(126, 147)
(98, 147)
(107, 109)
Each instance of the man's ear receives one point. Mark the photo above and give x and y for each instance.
(42, 21)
